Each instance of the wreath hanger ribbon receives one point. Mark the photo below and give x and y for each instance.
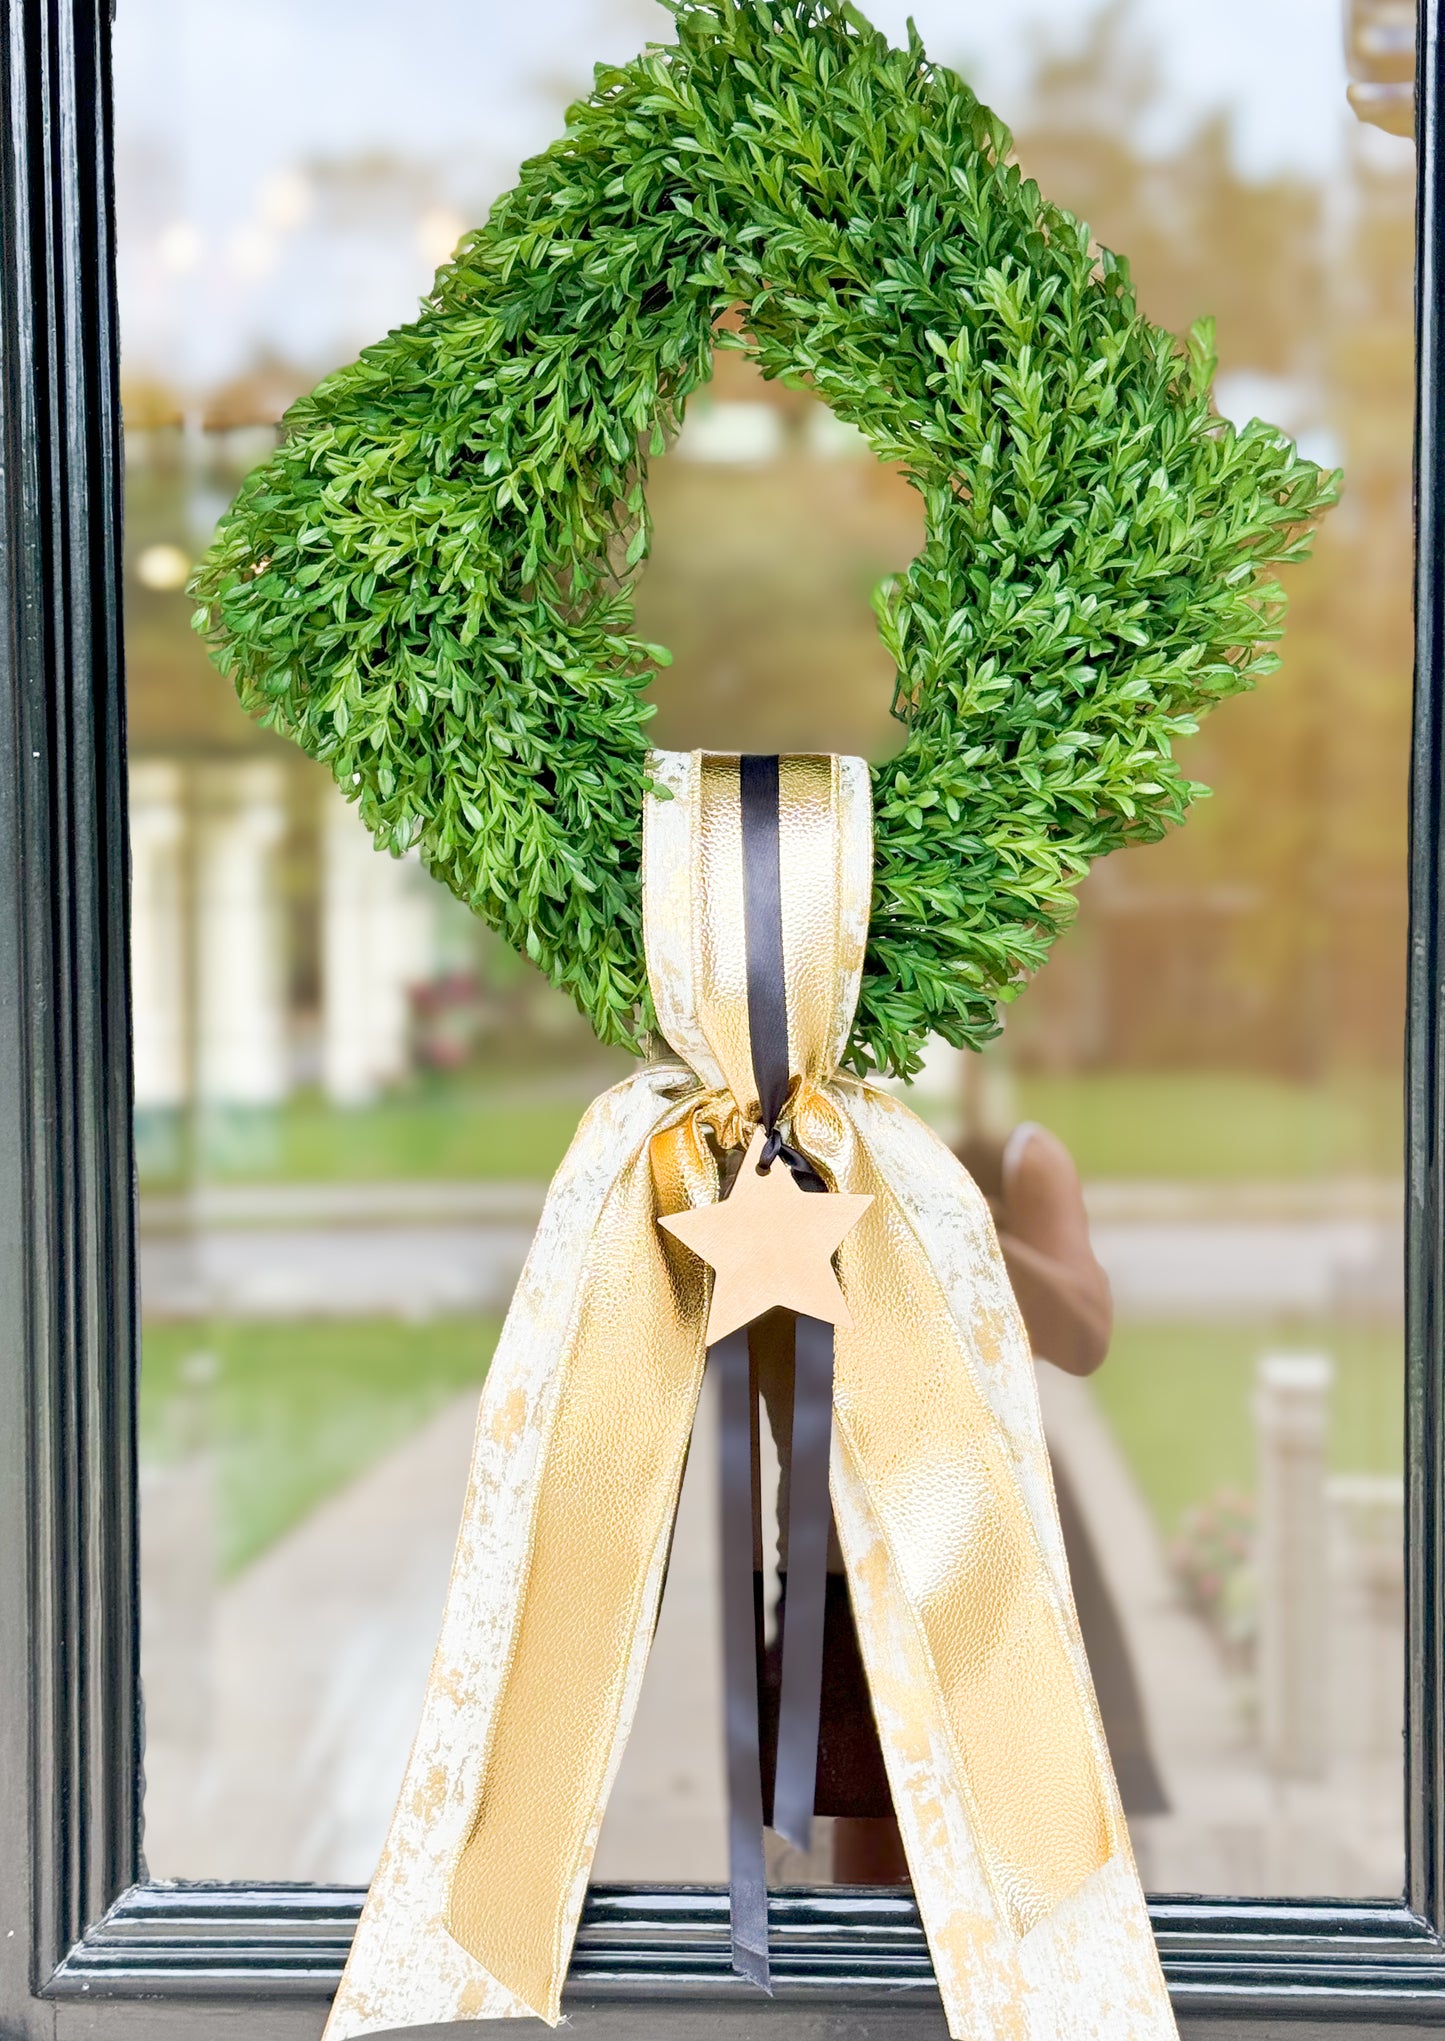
(795, 1774)
(939, 1485)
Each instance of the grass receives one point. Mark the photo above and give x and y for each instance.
(440, 1134)
(1204, 1126)
(295, 1411)
(1221, 1126)
(436, 1136)
(1178, 1398)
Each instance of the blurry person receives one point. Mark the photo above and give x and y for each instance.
(1037, 1202)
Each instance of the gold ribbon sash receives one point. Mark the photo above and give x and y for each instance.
(941, 1492)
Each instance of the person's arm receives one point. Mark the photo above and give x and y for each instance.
(1068, 1317)
(1043, 1229)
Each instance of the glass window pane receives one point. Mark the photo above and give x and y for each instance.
(349, 1096)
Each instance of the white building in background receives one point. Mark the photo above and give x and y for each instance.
(732, 433)
(241, 1031)
(157, 935)
(211, 1004)
(377, 941)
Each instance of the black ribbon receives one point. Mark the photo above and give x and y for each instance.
(763, 934)
(808, 1509)
(809, 1518)
(747, 1878)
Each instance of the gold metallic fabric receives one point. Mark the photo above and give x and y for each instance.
(941, 1492)
(630, 1375)
(931, 1456)
(963, 1555)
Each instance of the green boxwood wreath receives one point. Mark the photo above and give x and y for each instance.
(428, 585)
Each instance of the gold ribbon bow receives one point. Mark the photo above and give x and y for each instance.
(940, 1484)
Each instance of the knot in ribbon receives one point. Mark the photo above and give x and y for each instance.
(718, 1113)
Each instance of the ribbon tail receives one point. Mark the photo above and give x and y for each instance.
(738, 1485)
(808, 1520)
(580, 1445)
(996, 1756)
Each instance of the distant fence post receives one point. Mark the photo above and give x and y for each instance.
(1291, 1412)
(180, 1560)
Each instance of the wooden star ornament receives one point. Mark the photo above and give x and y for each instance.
(770, 1243)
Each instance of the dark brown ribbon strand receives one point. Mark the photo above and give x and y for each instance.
(747, 1876)
(758, 778)
(809, 1516)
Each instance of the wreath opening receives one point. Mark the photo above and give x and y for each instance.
(770, 531)
(429, 586)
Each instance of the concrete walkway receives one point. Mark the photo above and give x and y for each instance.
(306, 1674)
(418, 1250)
(281, 1708)
(1233, 1827)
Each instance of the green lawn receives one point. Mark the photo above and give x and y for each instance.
(1178, 1398)
(1219, 1125)
(297, 1410)
(1205, 1126)
(294, 1411)
(439, 1135)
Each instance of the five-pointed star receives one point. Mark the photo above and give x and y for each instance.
(770, 1243)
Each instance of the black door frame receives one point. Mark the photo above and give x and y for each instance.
(89, 1947)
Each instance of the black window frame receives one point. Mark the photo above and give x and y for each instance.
(88, 1945)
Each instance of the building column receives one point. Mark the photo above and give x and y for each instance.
(157, 937)
(376, 943)
(241, 1047)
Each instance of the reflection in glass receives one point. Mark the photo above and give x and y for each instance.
(349, 1097)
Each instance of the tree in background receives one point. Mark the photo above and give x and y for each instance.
(1269, 934)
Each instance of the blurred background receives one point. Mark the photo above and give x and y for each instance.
(349, 1096)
